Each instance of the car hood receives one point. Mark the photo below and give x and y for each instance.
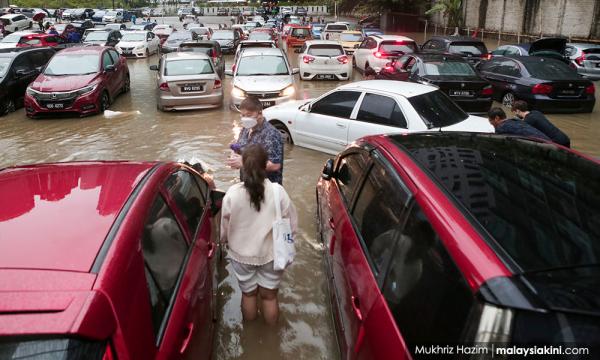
(7, 46)
(548, 44)
(286, 111)
(471, 124)
(263, 83)
(130, 43)
(47, 83)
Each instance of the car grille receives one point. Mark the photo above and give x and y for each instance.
(127, 49)
(270, 95)
(55, 96)
(66, 103)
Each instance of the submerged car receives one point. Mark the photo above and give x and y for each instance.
(107, 260)
(324, 60)
(334, 120)
(78, 81)
(473, 50)
(103, 37)
(547, 47)
(585, 58)
(460, 238)
(377, 51)
(228, 39)
(187, 81)
(174, 40)
(138, 44)
(210, 48)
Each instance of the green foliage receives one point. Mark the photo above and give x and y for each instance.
(56, 4)
(451, 9)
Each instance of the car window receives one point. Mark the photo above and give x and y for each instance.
(430, 45)
(509, 68)
(436, 109)
(467, 48)
(349, 172)
(338, 104)
(550, 69)
(489, 66)
(378, 214)
(408, 65)
(22, 63)
(37, 58)
(164, 249)
(187, 196)
(422, 279)
(511, 50)
(499, 51)
(106, 60)
(381, 110)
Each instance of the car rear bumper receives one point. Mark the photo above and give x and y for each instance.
(136, 53)
(338, 72)
(81, 106)
(548, 105)
(174, 102)
(168, 49)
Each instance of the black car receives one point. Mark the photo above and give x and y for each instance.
(222, 12)
(103, 37)
(83, 25)
(18, 69)
(174, 40)
(228, 39)
(210, 48)
(469, 48)
(547, 47)
(451, 73)
(546, 84)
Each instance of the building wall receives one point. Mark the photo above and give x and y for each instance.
(4, 3)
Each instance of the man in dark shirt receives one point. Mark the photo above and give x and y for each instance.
(540, 122)
(497, 118)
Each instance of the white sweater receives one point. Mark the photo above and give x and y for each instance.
(249, 232)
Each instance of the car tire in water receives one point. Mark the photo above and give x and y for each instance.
(127, 84)
(285, 133)
(103, 102)
(147, 53)
(508, 99)
(7, 106)
(353, 61)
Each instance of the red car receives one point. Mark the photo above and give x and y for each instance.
(80, 81)
(460, 238)
(106, 260)
(42, 40)
(298, 35)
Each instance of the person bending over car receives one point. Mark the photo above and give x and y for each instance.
(497, 117)
(540, 122)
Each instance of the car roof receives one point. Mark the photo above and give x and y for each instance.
(529, 59)
(351, 32)
(425, 56)
(322, 42)
(13, 52)
(392, 37)
(584, 45)
(9, 16)
(185, 55)
(56, 216)
(262, 51)
(402, 88)
(85, 49)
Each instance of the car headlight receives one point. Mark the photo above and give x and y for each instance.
(288, 91)
(86, 89)
(237, 92)
(31, 92)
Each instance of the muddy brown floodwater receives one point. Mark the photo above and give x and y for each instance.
(305, 330)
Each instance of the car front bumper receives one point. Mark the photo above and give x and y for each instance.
(268, 102)
(138, 53)
(80, 106)
(169, 102)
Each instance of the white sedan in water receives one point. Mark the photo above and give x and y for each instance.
(339, 117)
(138, 44)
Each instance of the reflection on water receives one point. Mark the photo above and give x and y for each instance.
(305, 329)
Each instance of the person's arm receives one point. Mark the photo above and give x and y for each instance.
(225, 215)
(275, 151)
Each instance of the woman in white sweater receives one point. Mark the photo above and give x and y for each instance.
(247, 217)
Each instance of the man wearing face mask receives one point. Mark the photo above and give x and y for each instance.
(257, 130)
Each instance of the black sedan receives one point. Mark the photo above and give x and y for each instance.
(452, 74)
(546, 84)
(174, 40)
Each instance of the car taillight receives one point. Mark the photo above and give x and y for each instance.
(580, 60)
(308, 59)
(487, 56)
(541, 89)
(217, 84)
(590, 90)
(487, 91)
(164, 87)
(342, 59)
(378, 54)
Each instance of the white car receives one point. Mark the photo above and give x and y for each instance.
(323, 59)
(202, 32)
(11, 41)
(333, 31)
(113, 17)
(15, 22)
(377, 50)
(165, 30)
(138, 44)
(339, 117)
(264, 73)
(259, 19)
(286, 10)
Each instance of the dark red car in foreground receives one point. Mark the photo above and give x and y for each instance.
(461, 238)
(78, 81)
(106, 260)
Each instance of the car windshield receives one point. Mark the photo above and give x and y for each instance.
(449, 68)
(326, 50)
(97, 36)
(12, 39)
(134, 37)
(259, 36)
(398, 47)
(540, 205)
(73, 64)
(317, 27)
(437, 110)
(180, 35)
(467, 48)
(4, 66)
(351, 37)
(223, 35)
(337, 27)
(549, 69)
(111, 13)
(188, 67)
(262, 65)
(300, 32)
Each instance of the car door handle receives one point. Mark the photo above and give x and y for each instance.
(360, 337)
(331, 224)
(211, 250)
(340, 125)
(356, 308)
(186, 341)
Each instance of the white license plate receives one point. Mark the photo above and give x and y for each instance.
(267, 104)
(55, 106)
(325, 76)
(461, 93)
(191, 88)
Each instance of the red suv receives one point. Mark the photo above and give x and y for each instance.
(106, 260)
(78, 80)
(460, 238)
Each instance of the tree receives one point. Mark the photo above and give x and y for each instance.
(450, 9)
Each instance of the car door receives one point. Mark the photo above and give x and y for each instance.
(24, 73)
(377, 114)
(361, 53)
(504, 76)
(324, 125)
(110, 77)
(120, 70)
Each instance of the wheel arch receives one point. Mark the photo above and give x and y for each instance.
(280, 125)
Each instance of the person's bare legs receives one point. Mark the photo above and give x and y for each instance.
(249, 305)
(269, 305)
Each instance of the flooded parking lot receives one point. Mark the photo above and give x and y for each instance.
(305, 330)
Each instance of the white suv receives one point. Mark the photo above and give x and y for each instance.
(378, 50)
(15, 22)
(324, 59)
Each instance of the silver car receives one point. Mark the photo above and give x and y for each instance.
(585, 58)
(264, 73)
(187, 81)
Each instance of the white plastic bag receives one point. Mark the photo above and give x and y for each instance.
(284, 249)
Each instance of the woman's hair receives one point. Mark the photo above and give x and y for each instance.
(254, 168)
(251, 103)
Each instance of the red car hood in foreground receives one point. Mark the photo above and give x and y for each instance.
(48, 83)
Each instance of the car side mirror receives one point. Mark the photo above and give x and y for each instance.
(295, 71)
(229, 72)
(327, 173)
(154, 67)
(216, 201)
(109, 68)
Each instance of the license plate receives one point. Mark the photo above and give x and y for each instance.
(569, 92)
(267, 104)
(191, 88)
(55, 106)
(327, 76)
(461, 93)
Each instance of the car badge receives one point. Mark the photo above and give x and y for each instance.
(53, 95)
(462, 85)
(570, 85)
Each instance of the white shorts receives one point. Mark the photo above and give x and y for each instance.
(251, 276)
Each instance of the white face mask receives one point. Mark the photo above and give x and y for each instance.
(248, 122)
